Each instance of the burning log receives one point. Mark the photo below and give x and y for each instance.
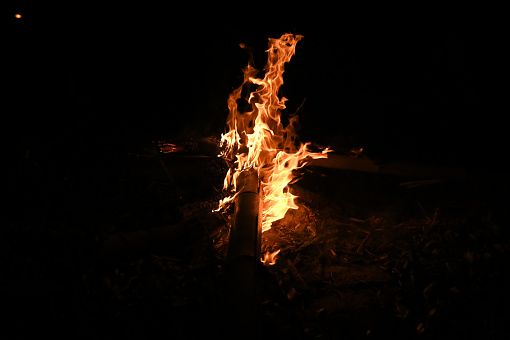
(246, 228)
(243, 266)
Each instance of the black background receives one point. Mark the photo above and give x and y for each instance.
(89, 87)
(417, 85)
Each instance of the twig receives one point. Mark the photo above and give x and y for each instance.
(362, 243)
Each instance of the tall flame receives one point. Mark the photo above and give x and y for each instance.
(257, 138)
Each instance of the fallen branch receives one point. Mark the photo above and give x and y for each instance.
(365, 164)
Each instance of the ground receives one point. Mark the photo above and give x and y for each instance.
(107, 239)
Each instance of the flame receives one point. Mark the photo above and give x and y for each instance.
(257, 138)
(270, 258)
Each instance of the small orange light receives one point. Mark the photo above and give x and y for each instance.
(17, 16)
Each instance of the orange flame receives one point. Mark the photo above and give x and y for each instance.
(270, 258)
(257, 138)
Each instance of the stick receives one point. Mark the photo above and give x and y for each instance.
(362, 243)
(365, 164)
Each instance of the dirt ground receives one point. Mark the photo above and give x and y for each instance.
(107, 242)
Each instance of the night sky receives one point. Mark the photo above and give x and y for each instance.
(411, 86)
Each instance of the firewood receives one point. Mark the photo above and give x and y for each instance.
(437, 172)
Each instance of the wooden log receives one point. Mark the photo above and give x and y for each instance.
(246, 229)
(365, 164)
(243, 267)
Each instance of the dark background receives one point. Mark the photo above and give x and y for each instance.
(89, 87)
(416, 85)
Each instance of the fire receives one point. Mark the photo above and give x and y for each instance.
(270, 258)
(257, 138)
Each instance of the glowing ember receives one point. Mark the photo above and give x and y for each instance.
(166, 147)
(257, 138)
